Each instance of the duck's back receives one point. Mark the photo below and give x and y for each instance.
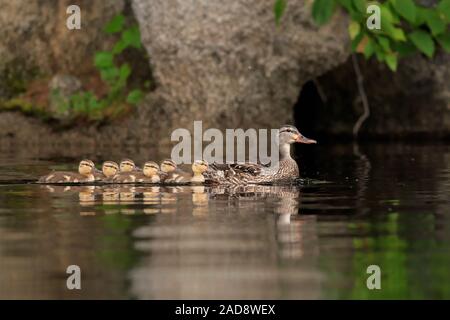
(251, 173)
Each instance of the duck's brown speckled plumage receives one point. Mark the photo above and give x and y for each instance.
(251, 173)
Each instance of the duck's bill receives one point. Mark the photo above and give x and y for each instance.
(305, 140)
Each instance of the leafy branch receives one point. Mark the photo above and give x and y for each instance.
(406, 27)
(113, 74)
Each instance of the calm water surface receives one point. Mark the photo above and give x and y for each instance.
(382, 204)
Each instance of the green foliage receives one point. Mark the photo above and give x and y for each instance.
(114, 75)
(323, 10)
(278, 8)
(406, 27)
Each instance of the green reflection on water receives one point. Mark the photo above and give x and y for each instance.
(414, 264)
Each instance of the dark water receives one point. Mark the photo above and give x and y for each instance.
(386, 205)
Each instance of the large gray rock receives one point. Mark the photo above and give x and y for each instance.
(36, 42)
(228, 64)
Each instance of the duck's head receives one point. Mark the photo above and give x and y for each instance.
(86, 167)
(168, 165)
(110, 168)
(199, 166)
(150, 168)
(127, 165)
(290, 134)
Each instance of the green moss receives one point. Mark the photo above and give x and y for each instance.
(15, 78)
(27, 108)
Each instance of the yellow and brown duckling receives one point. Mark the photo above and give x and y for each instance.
(109, 170)
(150, 174)
(198, 168)
(85, 174)
(128, 165)
(175, 175)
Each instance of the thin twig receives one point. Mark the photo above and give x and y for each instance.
(320, 91)
(362, 93)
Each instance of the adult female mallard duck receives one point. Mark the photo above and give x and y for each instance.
(172, 174)
(85, 174)
(252, 173)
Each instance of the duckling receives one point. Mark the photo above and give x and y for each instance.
(85, 174)
(175, 175)
(149, 174)
(128, 165)
(198, 168)
(172, 174)
(109, 170)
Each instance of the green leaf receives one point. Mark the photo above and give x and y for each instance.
(435, 23)
(380, 54)
(134, 96)
(444, 8)
(109, 75)
(384, 43)
(393, 32)
(356, 41)
(322, 11)
(404, 48)
(360, 5)
(347, 4)
(423, 41)
(406, 8)
(103, 59)
(124, 73)
(119, 47)
(132, 37)
(278, 9)
(391, 61)
(369, 49)
(421, 16)
(116, 24)
(353, 29)
(444, 41)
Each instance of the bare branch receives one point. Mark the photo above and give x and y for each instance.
(362, 93)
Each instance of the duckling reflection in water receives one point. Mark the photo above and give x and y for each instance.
(127, 195)
(86, 195)
(200, 201)
(85, 174)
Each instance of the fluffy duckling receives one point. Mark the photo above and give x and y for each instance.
(85, 174)
(109, 170)
(172, 174)
(198, 168)
(128, 165)
(175, 175)
(149, 174)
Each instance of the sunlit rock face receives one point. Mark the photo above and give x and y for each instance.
(229, 64)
